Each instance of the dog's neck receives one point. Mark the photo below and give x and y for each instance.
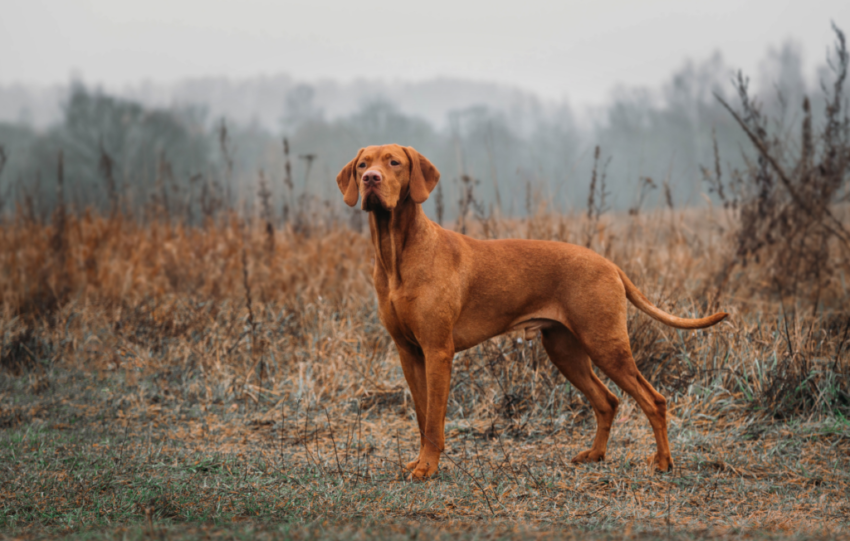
(392, 232)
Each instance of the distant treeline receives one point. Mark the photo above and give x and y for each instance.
(118, 152)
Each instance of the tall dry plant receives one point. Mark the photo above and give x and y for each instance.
(789, 205)
(467, 202)
(3, 158)
(596, 197)
(265, 195)
(224, 146)
(106, 166)
(59, 242)
(646, 185)
(287, 181)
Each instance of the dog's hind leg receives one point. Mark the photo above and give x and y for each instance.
(573, 362)
(612, 354)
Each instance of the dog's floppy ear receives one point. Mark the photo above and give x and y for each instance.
(423, 175)
(347, 181)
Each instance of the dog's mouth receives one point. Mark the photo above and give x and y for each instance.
(377, 199)
(372, 201)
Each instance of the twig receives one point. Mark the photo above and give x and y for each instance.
(333, 440)
(785, 322)
(841, 345)
(594, 511)
(400, 461)
(249, 305)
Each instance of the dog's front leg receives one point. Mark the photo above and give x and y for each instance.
(413, 365)
(438, 374)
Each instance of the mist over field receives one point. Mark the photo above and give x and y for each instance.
(518, 149)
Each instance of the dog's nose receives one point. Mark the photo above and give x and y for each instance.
(371, 177)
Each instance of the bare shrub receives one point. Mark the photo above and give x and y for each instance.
(789, 203)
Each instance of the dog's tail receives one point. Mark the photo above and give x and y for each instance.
(639, 300)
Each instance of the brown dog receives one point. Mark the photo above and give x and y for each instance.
(440, 292)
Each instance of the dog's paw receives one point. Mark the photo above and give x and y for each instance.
(662, 464)
(588, 456)
(412, 464)
(423, 471)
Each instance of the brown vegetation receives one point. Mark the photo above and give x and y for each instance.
(282, 353)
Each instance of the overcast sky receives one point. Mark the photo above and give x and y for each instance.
(558, 49)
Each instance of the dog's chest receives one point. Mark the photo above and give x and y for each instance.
(394, 311)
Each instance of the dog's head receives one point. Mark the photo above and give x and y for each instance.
(384, 176)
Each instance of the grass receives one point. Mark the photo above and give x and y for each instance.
(78, 464)
(145, 392)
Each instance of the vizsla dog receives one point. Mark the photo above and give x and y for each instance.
(440, 292)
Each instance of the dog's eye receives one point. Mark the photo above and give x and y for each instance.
(394, 162)
(362, 165)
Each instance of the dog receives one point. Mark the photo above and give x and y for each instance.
(440, 292)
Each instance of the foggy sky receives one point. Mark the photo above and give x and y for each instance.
(573, 50)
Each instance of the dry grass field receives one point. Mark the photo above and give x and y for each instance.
(232, 379)
(160, 380)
